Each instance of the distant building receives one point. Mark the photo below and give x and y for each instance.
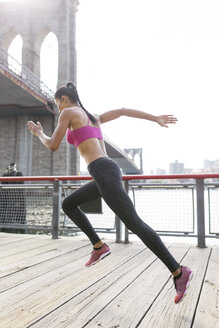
(176, 168)
(188, 171)
(160, 171)
(211, 166)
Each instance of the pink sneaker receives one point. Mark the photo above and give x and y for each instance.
(182, 284)
(98, 254)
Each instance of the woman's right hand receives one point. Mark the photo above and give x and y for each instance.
(35, 129)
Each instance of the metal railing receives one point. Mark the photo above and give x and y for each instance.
(19, 71)
(172, 209)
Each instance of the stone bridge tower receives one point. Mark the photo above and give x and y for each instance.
(33, 20)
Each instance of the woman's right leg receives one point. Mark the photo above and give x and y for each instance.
(70, 206)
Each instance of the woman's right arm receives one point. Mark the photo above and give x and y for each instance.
(54, 142)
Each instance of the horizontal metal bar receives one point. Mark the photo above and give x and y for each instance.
(160, 186)
(74, 186)
(24, 226)
(44, 228)
(25, 186)
(108, 230)
(178, 235)
(124, 177)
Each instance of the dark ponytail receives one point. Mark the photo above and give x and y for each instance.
(71, 92)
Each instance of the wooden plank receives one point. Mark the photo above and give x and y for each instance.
(31, 257)
(42, 264)
(33, 299)
(164, 313)
(7, 235)
(41, 248)
(20, 247)
(17, 236)
(10, 242)
(46, 253)
(207, 313)
(108, 293)
(11, 238)
(30, 243)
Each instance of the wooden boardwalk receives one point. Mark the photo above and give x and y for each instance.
(44, 284)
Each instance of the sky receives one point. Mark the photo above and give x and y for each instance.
(161, 57)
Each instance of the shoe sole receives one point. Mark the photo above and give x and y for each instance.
(187, 286)
(100, 258)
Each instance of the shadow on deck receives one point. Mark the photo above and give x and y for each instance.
(44, 283)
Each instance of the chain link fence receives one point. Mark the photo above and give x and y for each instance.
(26, 206)
(213, 209)
(166, 208)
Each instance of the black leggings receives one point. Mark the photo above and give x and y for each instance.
(107, 184)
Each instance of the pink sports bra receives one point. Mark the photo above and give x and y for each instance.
(76, 137)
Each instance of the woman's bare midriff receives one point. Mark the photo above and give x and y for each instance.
(92, 149)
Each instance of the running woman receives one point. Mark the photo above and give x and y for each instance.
(83, 130)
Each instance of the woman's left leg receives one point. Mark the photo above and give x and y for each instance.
(70, 206)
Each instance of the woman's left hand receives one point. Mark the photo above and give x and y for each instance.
(163, 120)
(35, 129)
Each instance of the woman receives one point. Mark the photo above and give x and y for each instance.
(83, 131)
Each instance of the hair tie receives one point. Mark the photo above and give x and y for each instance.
(70, 85)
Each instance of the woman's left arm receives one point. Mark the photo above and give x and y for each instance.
(162, 120)
(54, 142)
